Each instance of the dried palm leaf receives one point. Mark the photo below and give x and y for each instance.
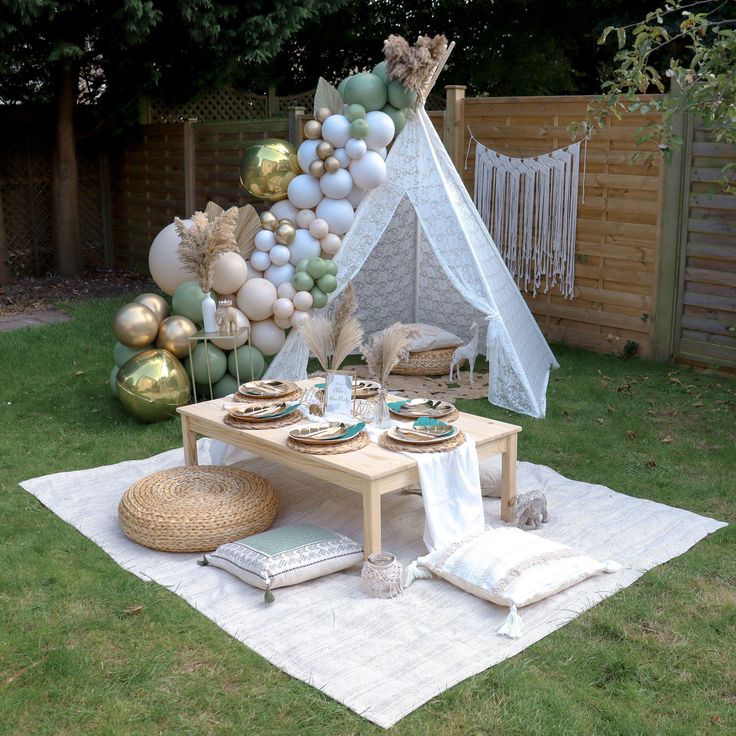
(346, 330)
(316, 332)
(249, 225)
(327, 96)
(213, 210)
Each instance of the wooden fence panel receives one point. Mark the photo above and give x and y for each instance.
(617, 238)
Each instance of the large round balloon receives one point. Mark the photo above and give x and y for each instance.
(122, 353)
(381, 130)
(304, 192)
(279, 255)
(208, 363)
(224, 387)
(398, 116)
(399, 96)
(156, 303)
(368, 172)
(256, 299)
(284, 210)
(304, 245)
(267, 168)
(163, 260)
(307, 153)
(279, 274)
(366, 89)
(267, 337)
(246, 363)
(381, 71)
(187, 301)
(336, 130)
(135, 325)
(229, 272)
(228, 343)
(174, 333)
(337, 185)
(338, 213)
(152, 384)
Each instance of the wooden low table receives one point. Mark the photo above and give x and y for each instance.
(370, 471)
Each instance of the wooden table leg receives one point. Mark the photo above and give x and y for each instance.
(189, 440)
(371, 522)
(508, 479)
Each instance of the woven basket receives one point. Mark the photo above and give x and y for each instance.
(196, 508)
(425, 363)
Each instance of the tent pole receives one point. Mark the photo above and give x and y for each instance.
(417, 245)
(438, 69)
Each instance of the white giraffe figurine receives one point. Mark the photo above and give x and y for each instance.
(467, 352)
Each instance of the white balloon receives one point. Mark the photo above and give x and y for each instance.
(252, 272)
(265, 240)
(338, 213)
(284, 210)
(229, 273)
(304, 217)
(267, 337)
(163, 260)
(331, 243)
(228, 343)
(307, 153)
(298, 317)
(355, 148)
(278, 275)
(381, 130)
(279, 255)
(284, 324)
(286, 290)
(336, 130)
(256, 298)
(355, 196)
(304, 191)
(318, 228)
(382, 152)
(337, 185)
(342, 157)
(283, 308)
(304, 246)
(368, 172)
(260, 260)
(302, 300)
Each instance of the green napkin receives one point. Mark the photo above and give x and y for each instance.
(283, 413)
(396, 405)
(352, 430)
(432, 422)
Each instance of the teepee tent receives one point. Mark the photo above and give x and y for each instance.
(418, 251)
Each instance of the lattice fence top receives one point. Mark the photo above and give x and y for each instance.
(434, 102)
(303, 99)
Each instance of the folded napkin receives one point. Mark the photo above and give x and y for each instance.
(396, 405)
(351, 431)
(283, 413)
(432, 422)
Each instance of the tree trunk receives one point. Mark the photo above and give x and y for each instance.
(64, 179)
(5, 275)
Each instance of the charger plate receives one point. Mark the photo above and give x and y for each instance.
(354, 443)
(284, 388)
(293, 396)
(293, 418)
(389, 443)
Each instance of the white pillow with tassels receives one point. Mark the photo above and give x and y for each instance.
(509, 567)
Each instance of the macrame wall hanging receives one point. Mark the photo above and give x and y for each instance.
(529, 206)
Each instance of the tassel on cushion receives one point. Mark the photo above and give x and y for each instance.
(513, 626)
(415, 572)
(268, 595)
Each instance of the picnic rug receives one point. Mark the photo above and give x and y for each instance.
(380, 658)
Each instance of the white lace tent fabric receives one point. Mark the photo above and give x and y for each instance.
(530, 208)
(418, 251)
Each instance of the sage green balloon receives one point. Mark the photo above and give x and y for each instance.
(187, 301)
(359, 128)
(399, 96)
(319, 298)
(381, 71)
(366, 89)
(225, 386)
(398, 116)
(330, 267)
(341, 87)
(328, 283)
(316, 268)
(122, 353)
(250, 363)
(114, 380)
(301, 264)
(302, 281)
(355, 112)
(217, 362)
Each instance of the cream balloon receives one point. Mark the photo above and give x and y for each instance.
(302, 300)
(265, 240)
(163, 260)
(336, 130)
(284, 324)
(229, 272)
(298, 317)
(338, 213)
(283, 309)
(228, 343)
(267, 337)
(318, 228)
(284, 210)
(342, 157)
(304, 246)
(355, 148)
(278, 275)
(304, 217)
(252, 272)
(279, 255)
(381, 130)
(331, 244)
(304, 191)
(368, 172)
(355, 196)
(307, 153)
(260, 260)
(256, 298)
(337, 185)
(286, 291)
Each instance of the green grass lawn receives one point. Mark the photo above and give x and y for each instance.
(86, 648)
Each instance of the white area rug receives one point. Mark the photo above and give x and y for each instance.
(380, 658)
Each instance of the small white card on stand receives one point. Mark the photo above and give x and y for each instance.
(339, 390)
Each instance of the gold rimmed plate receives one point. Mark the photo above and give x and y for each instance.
(324, 433)
(267, 389)
(415, 408)
(258, 412)
(421, 437)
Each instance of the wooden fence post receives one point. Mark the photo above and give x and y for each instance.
(189, 178)
(455, 123)
(273, 102)
(295, 125)
(106, 208)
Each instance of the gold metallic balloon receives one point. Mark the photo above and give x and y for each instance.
(325, 149)
(152, 384)
(269, 221)
(135, 325)
(312, 130)
(323, 113)
(157, 304)
(317, 168)
(285, 232)
(332, 164)
(267, 168)
(174, 333)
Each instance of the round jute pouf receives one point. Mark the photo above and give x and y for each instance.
(196, 508)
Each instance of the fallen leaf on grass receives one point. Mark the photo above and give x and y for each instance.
(651, 463)
(668, 440)
(78, 373)
(697, 404)
(631, 435)
(133, 609)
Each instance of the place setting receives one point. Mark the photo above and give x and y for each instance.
(425, 434)
(271, 415)
(411, 409)
(328, 438)
(267, 389)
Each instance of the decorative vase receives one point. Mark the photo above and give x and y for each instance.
(382, 415)
(382, 576)
(209, 307)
